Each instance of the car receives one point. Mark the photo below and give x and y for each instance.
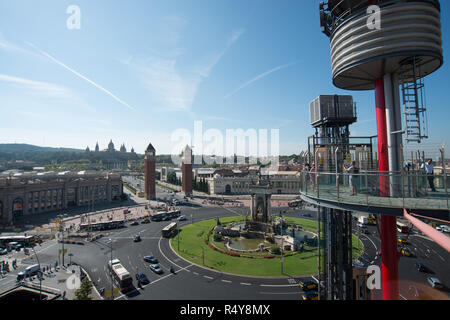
(166, 218)
(142, 278)
(156, 268)
(151, 259)
(406, 252)
(15, 245)
(421, 267)
(3, 251)
(146, 220)
(310, 295)
(307, 285)
(402, 240)
(181, 218)
(134, 223)
(364, 231)
(307, 214)
(435, 283)
(137, 238)
(439, 228)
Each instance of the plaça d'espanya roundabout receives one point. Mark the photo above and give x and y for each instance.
(237, 245)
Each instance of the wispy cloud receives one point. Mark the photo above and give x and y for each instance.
(82, 77)
(259, 77)
(45, 90)
(8, 46)
(172, 89)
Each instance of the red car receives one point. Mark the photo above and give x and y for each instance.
(134, 223)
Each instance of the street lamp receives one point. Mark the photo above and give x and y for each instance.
(112, 280)
(39, 274)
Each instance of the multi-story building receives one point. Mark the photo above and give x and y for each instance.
(23, 194)
(283, 182)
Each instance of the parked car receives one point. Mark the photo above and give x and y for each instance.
(156, 268)
(181, 218)
(137, 238)
(134, 223)
(310, 295)
(435, 283)
(402, 240)
(3, 251)
(307, 214)
(166, 218)
(151, 259)
(142, 278)
(146, 220)
(307, 285)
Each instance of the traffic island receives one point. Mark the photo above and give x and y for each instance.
(197, 244)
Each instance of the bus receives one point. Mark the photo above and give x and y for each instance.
(26, 241)
(401, 227)
(169, 230)
(159, 216)
(173, 214)
(106, 225)
(121, 276)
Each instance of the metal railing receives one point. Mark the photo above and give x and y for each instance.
(378, 189)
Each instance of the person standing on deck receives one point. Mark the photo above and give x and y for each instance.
(429, 170)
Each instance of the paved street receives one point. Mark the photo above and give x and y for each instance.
(198, 283)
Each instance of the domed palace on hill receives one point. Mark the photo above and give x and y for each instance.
(110, 158)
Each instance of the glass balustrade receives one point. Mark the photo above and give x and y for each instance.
(378, 189)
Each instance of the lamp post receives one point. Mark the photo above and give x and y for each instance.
(39, 274)
(111, 272)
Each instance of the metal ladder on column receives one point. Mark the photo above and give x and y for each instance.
(414, 109)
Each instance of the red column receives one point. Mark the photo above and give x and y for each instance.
(389, 255)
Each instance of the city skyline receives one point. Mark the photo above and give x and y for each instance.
(169, 66)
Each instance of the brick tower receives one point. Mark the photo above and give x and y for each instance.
(186, 169)
(150, 187)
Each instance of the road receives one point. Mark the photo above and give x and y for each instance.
(197, 283)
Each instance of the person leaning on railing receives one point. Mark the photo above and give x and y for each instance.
(352, 171)
(429, 170)
(312, 176)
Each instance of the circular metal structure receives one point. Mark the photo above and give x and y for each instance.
(362, 53)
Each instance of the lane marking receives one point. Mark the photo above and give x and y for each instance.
(280, 293)
(208, 277)
(227, 281)
(278, 285)
(246, 284)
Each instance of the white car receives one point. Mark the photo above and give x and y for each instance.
(445, 228)
(435, 283)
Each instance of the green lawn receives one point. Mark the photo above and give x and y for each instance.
(192, 244)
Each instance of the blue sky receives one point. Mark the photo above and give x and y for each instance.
(138, 70)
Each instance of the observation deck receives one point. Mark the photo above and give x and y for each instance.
(406, 191)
